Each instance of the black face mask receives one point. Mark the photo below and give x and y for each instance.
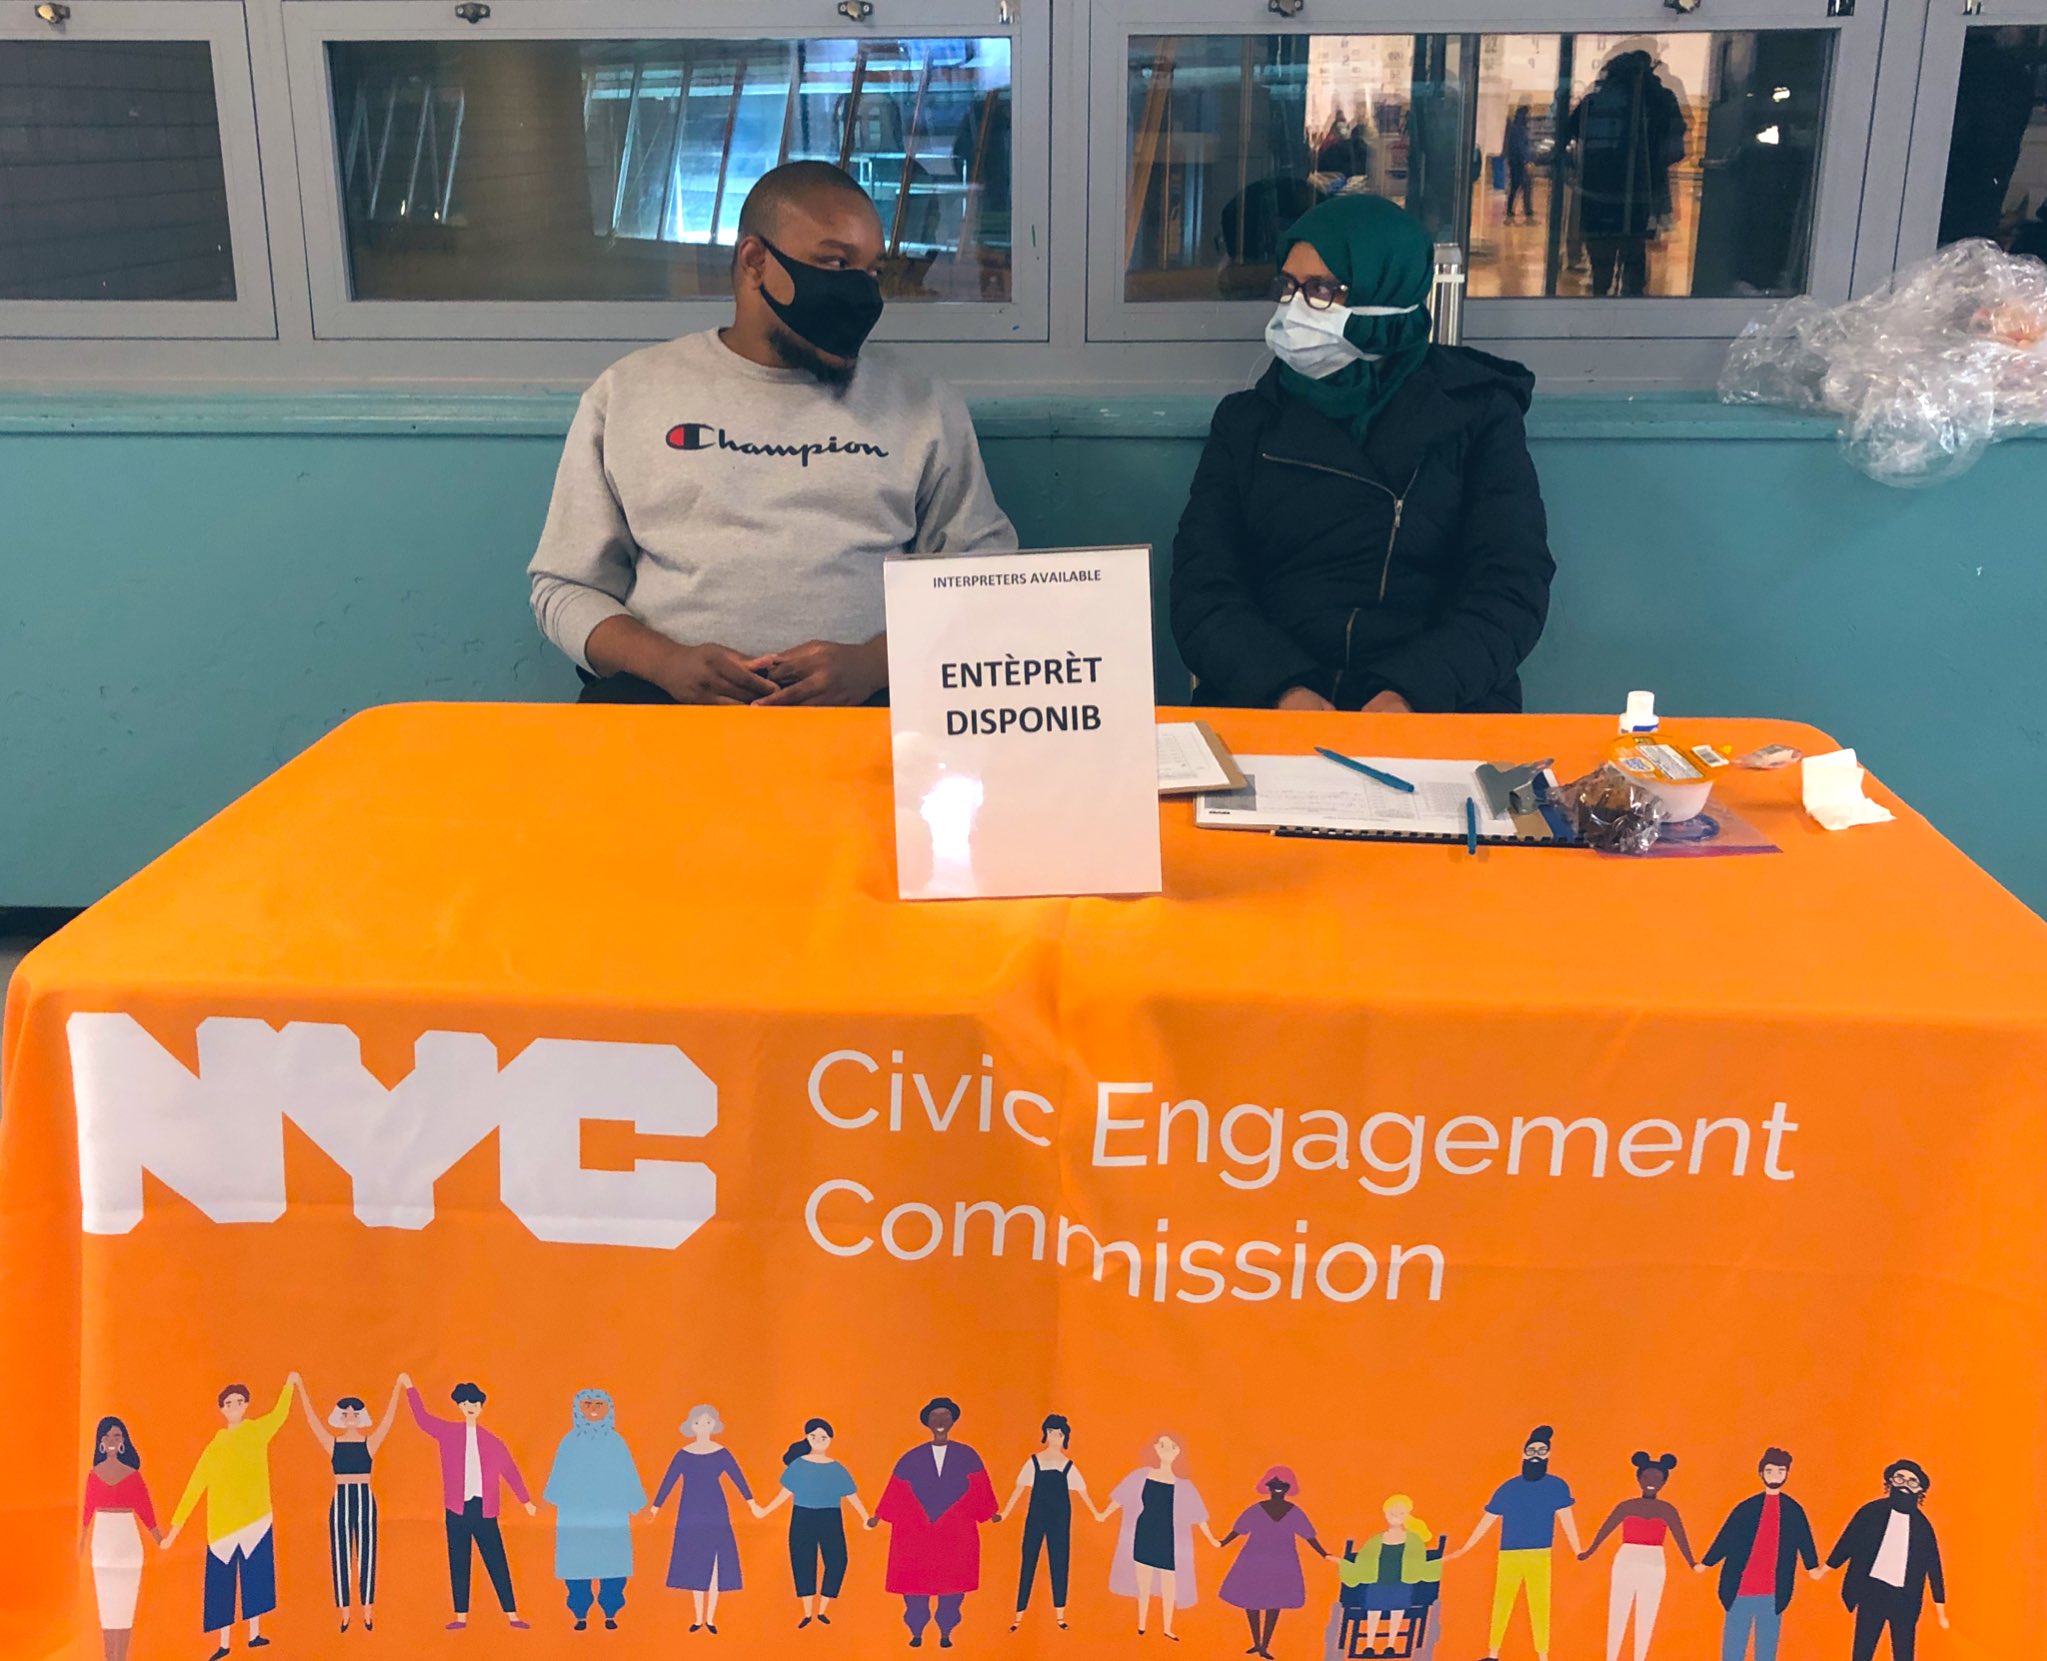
(833, 310)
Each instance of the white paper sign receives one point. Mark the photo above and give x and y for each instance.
(1026, 757)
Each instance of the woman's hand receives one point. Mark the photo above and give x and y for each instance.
(1302, 697)
(1389, 703)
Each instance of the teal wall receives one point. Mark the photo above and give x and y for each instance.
(191, 592)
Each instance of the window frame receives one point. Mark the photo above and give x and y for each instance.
(1851, 88)
(338, 315)
(252, 313)
(1933, 113)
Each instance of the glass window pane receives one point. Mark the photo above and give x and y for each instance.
(1571, 165)
(1232, 137)
(615, 170)
(110, 174)
(1997, 158)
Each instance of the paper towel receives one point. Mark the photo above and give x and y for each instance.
(1833, 792)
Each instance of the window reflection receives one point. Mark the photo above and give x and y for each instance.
(1997, 157)
(111, 184)
(615, 170)
(1577, 166)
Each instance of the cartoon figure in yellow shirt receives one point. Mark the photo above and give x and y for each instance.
(234, 1476)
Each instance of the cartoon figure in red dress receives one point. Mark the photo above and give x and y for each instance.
(936, 1500)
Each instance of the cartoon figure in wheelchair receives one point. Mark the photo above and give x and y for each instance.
(1391, 1585)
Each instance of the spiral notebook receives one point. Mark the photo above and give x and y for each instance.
(1314, 797)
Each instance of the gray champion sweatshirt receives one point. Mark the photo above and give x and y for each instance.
(719, 501)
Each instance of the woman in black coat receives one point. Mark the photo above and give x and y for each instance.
(1365, 529)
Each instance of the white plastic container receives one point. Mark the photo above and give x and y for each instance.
(1665, 771)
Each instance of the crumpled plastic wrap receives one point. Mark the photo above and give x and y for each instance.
(1611, 812)
(1925, 374)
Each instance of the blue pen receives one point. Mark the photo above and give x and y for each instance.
(1471, 826)
(1372, 773)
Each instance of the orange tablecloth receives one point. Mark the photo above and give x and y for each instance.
(1309, 1101)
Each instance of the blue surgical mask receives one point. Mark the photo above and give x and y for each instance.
(1311, 342)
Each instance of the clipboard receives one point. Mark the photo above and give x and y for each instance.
(1199, 734)
(1546, 827)
(1308, 798)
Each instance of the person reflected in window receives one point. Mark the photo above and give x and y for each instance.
(1249, 231)
(1344, 157)
(1995, 94)
(1517, 146)
(981, 150)
(1365, 529)
(725, 501)
(1629, 130)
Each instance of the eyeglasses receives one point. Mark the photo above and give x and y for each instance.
(1321, 293)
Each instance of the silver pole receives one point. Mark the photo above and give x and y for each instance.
(1446, 297)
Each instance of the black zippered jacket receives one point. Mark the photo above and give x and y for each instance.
(1417, 562)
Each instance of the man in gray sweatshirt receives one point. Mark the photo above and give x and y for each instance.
(725, 500)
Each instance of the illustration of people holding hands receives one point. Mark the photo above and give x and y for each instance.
(233, 1477)
(1759, 1550)
(595, 1490)
(937, 1498)
(1050, 1479)
(117, 1510)
(1266, 1576)
(475, 1466)
(1639, 1565)
(1529, 1508)
(1397, 1572)
(351, 1440)
(1155, 1542)
(816, 1485)
(704, 1560)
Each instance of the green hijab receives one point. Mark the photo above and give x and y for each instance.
(1381, 254)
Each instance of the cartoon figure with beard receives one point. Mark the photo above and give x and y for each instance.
(1892, 1561)
(1529, 1508)
(1758, 1551)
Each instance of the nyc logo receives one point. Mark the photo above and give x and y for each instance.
(217, 1138)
